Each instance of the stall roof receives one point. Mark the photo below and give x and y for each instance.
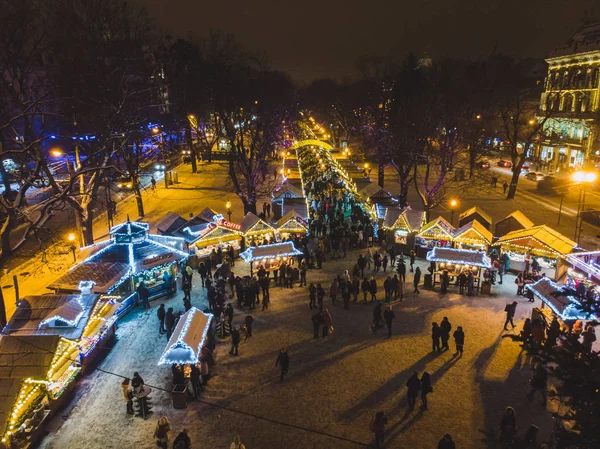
(374, 190)
(392, 214)
(170, 223)
(475, 210)
(587, 262)
(207, 214)
(440, 223)
(288, 189)
(188, 337)
(559, 300)
(473, 230)
(543, 237)
(251, 220)
(272, 251)
(9, 391)
(292, 215)
(520, 218)
(296, 204)
(403, 218)
(27, 356)
(33, 311)
(459, 256)
(103, 274)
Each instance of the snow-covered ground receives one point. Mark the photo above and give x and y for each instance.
(334, 385)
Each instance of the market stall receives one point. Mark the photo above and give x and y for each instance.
(475, 213)
(118, 265)
(403, 225)
(291, 225)
(581, 272)
(86, 320)
(512, 222)
(287, 190)
(456, 261)
(188, 338)
(560, 300)
(36, 373)
(273, 253)
(539, 245)
(436, 233)
(256, 231)
(472, 235)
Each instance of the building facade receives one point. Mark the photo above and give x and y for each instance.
(571, 135)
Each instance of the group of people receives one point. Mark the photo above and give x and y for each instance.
(440, 336)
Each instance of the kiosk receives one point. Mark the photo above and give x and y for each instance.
(273, 253)
(472, 235)
(291, 225)
(256, 231)
(436, 233)
(456, 261)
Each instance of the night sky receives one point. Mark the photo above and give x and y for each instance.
(312, 39)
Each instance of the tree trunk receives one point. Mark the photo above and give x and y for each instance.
(188, 141)
(512, 188)
(249, 207)
(138, 199)
(402, 197)
(381, 175)
(7, 227)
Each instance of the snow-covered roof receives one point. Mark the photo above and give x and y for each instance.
(587, 262)
(392, 214)
(459, 257)
(473, 231)
(373, 190)
(437, 228)
(520, 218)
(475, 210)
(406, 219)
(188, 337)
(207, 214)
(251, 222)
(559, 300)
(27, 356)
(539, 239)
(170, 223)
(287, 190)
(294, 219)
(296, 204)
(272, 251)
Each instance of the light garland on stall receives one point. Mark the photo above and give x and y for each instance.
(247, 255)
(570, 312)
(485, 260)
(543, 252)
(179, 343)
(458, 238)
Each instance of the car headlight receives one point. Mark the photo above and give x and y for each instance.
(120, 185)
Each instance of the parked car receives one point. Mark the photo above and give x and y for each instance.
(505, 164)
(525, 169)
(535, 176)
(483, 164)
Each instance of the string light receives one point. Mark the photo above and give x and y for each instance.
(287, 247)
(457, 256)
(180, 344)
(570, 311)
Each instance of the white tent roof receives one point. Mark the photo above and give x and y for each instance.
(459, 256)
(188, 337)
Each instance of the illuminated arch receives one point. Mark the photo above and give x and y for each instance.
(311, 142)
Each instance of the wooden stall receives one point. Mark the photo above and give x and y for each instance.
(272, 253)
(512, 222)
(190, 335)
(472, 235)
(291, 225)
(402, 225)
(436, 233)
(457, 261)
(560, 300)
(475, 213)
(256, 231)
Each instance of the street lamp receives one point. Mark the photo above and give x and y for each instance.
(56, 152)
(583, 179)
(453, 205)
(71, 238)
(228, 206)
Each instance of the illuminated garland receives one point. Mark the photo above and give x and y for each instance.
(548, 251)
(570, 312)
(458, 238)
(180, 344)
(484, 263)
(249, 257)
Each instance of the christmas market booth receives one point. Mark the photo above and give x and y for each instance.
(287, 190)
(291, 225)
(472, 235)
(256, 231)
(581, 272)
(436, 233)
(538, 245)
(561, 301)
(512, 222)
(456, 261)
(87, 321)
(475, 213)
(275, 254)
(37, 373)
(403, 225)
(209, 231)
(118, 265)
(189, 336)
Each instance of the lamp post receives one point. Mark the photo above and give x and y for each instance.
(453, 205)
(71, 238)
(366, 167)
(228, 206)
(583, 179)
(157, 132)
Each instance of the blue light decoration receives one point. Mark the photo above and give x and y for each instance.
(570, 312)
(463, 257)
(178, 350)
(287, 247)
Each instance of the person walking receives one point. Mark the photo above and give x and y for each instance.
(417, 279)
(346, 297)
(327, 323)
(312, 292)
(459, 340)
(412, 257)
(320, 296)
(470, 284)
(182, 440)
(520, 284)
(426, 388)
(127, 396)
(373, 289)
(508, 427)
(248, 321)
(377, 426)
(169, 322)
(365, 288)
(303, 270)
(317, 321)
(237, 443)
(414, 385)
(376, 317)
(153, 182)
(436, 334)
(539, 381)
(162, 432)
(265, 303)
(235, 340)
(384, 262)
(334, 290)
(387, 287)
(510, 310)
(144, 295)
(362, 263)
(504, 187)
(401, 270)
(446, 442)
(355, 288)
(388, 317)
(445, 328)
(203, 272)
(444, 282)
(283, 360)
(160, 313)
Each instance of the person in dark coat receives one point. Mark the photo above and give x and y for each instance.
(196, 380)
(387, 287)
(182, 440)
(508, 427)
(346, 297)
(203, 272)
(401, 270)
(446, 442)
(317, 321)
(417, 279)
(444, 282)
(376, 317)
(414, 385)
(235, 340)
(229, 313)
(510, 310)
(412, 256)
(365, 288)
(436, 334)
(320, 296)
(248, 322)
(373, 289)
(470, 284)
(459, 339)
(445, 328)
(144, 295)
(169, 322)
(378, 428)
(283, 360)
(160, 313)
(426, 388)
(362, 264)
(312, 292)
(388, 317)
